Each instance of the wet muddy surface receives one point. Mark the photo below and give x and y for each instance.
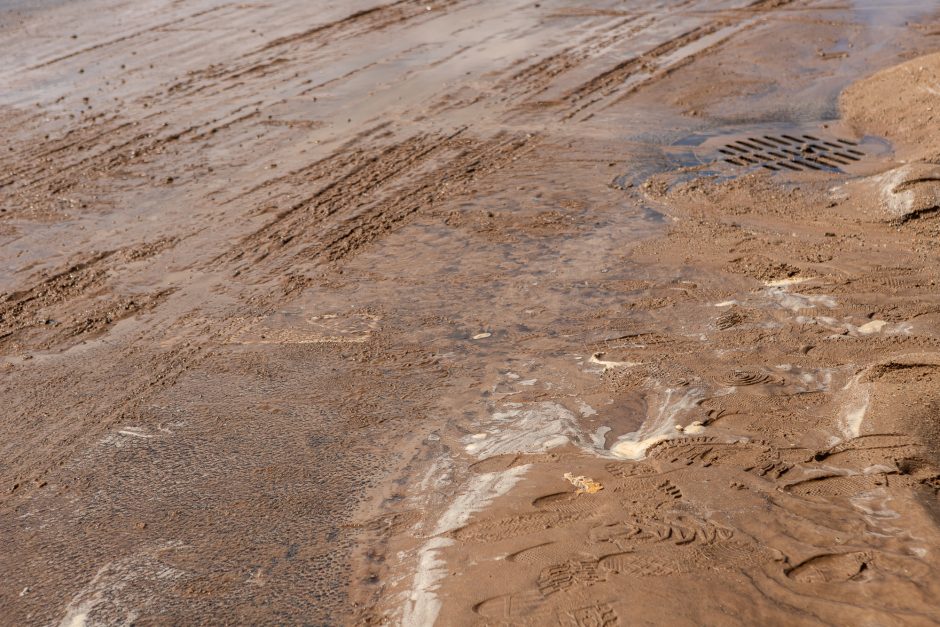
(469, 312)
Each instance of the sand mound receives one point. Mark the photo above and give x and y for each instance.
(899, 103)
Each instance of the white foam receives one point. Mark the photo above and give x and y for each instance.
(853, 419)
(526, 429)
(875, 508)
(422, 604)
(875, 326)
(134, 432)
(898, 203)
(599, 437)
(610, 365)
(795, 302)
(853, 413)
(586, 410)
(437, 476)
(659, 427)
(788, 281)
(113, 587)
(636, 449)
(901, 328)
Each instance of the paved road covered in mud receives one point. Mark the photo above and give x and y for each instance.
(365, 312)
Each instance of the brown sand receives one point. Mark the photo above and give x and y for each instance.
(422, 312)
(899, 103)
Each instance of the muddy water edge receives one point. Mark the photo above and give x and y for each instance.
(360, 312)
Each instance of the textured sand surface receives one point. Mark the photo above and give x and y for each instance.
(455, 311)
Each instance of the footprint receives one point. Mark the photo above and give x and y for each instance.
(499, 463)
(541, 554)
(516, 607)
(571, 503)
(627, 469)
(601, 615)
(494, 530)
(869, 450)
(729, 319)
(837, 485)
(683, 529)
(671, 490)
(642, 565)
(570, 574)
(742, 377)
(832, 567)
(770, 470)
(671, 559)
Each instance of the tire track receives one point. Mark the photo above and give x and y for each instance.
(663, 58)
(276, 54)
(20, 309)
(130, 36)
(382, 188)
(444, 183)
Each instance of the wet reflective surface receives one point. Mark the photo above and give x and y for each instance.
(311, 308)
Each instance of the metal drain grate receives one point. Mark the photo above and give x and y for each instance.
(789, 152)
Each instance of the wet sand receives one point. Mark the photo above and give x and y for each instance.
(469, 312)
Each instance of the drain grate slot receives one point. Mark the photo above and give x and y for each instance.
(791, 152)
(845, 156)
(831, 161)
(764, 143)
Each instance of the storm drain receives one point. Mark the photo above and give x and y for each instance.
(727, 152)
(791, 152)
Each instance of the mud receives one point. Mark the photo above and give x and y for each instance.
(454, 311)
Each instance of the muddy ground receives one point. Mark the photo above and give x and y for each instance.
(468, 312)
